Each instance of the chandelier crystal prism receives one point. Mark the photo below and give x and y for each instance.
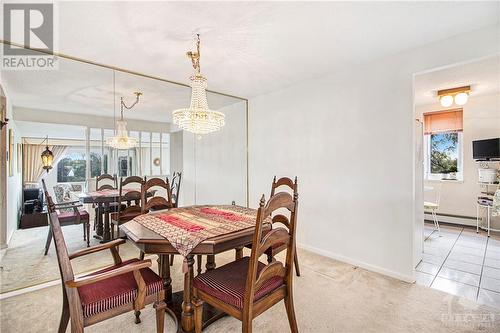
(121, 140)
(198, 118)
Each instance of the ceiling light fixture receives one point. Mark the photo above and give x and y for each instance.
(198, 118)
(121, 140)
(47, 156)
(459, 95)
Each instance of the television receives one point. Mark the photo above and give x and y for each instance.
(486, 149)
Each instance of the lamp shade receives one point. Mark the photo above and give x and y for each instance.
(47, 159)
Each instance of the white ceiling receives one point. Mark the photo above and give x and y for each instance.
(248, 48)
(483, 76)
(86, 89)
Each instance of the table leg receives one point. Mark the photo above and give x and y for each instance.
(98, 229)
(164, 272)
(187, 318)
(239, 253)
(210, 262)
(106, 237)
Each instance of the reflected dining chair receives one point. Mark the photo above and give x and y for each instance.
(158, 200)
(123, 287)
(155, 201)
(106, 179)
(106, 182)
(68, 213)
(246, 287)
(132, 197)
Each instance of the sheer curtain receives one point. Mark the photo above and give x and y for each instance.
(32, 161)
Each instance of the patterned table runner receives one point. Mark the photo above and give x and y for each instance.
(186, 227)
(108, 193)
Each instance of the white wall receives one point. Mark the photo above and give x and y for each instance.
(220, 159)
(481, 121)
(214, 166)
(349, 137)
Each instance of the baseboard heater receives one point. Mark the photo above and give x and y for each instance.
(452, 218)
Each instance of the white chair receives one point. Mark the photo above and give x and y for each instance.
(432, 206)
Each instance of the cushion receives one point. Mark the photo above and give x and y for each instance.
(227, 283)
(116, 291)
(62, 192)
(68, 215)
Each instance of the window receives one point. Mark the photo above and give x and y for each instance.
(71, 167)
(443, 138)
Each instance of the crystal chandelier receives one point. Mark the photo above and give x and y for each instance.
(121, 140)
(198, 118)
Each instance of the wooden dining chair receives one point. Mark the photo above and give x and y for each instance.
(279, 218)
(132, 199)
(157, 201)
(175, 187)
(246, 287)
(125, 286)
(68, 213)
(106, 178)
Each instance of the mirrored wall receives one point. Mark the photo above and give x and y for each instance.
(77, 105)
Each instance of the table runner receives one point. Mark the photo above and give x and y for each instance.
(108, 193)
(186, 227)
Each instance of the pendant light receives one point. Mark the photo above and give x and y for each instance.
(47, 156)
(121, 140)
(198, 118)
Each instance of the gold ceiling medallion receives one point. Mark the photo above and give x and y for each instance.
(198, 118)
(459, 95)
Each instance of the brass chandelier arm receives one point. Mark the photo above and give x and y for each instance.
(195, 56)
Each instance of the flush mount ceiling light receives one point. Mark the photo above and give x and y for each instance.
(121, 140)
(198, 118)
(459, 95)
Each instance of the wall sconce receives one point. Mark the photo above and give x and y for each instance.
(459, 95)
(47, 156)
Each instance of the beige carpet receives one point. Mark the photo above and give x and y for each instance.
(23, 263)
(329, 297)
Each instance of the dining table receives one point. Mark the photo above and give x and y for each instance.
(102, 200)
(190, 231)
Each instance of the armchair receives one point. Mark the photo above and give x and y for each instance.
(68, 213)
(125, 286)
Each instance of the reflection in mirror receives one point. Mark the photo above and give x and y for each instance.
(214, 165)
(77, 107)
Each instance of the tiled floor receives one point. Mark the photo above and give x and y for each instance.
(461, 262)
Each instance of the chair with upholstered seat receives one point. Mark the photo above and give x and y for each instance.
(69, 213)
(129, 192)
(281, 219)
(123, 287)
(246, 287)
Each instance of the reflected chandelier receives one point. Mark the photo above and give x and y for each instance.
(198, 118)
(121, 140)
